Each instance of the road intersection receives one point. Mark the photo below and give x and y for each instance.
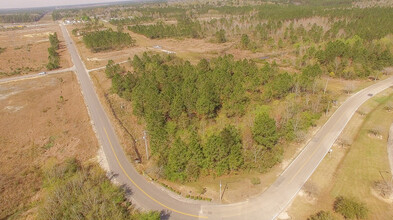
(268, 205)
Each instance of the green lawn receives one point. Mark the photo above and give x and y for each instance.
(365, 158)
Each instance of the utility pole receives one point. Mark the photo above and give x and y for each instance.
(145, 138)
(327, 110)
(327, 81)
(220, 191)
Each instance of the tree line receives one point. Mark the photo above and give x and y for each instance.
(21, 18)
(108, 39)
(173, 96)
(351, 58)
(185, 27)
(54, 57)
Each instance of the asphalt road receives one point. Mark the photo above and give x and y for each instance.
(32, 76)
(268, 205)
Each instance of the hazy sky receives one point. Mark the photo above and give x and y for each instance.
(40, 3)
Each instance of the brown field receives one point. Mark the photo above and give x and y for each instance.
(189, 49)
(26, 50)
(43, 119)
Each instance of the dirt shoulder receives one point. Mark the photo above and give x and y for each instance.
(390, 148)
(43, 119)
(358, 162)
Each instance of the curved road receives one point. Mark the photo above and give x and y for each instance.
(268, 205)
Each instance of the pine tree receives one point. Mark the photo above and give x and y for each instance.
(265, 131)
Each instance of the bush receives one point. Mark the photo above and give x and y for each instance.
(350, 208)
(321, 215)
(54, 57)
(151, 215)
(255, 181)
(76, 192)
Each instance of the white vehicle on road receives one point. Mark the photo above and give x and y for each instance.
(42, 73)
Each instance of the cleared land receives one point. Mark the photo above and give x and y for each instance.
(189, 49)
(43, 120)
(25, 49)
(354, 166)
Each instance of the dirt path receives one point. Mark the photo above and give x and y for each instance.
(390, 148)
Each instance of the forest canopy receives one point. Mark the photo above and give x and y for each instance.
(107, 40)
(173, 96)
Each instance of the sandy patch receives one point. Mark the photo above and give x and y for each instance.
(13, 108)
(283, 216)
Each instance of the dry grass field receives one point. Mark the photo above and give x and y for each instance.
(189, 49)
(26, 50)
(42, 120)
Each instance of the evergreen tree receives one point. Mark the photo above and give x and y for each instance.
(245, 41)
(265, 131)
(220, 36)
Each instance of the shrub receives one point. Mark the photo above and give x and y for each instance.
(151, 215)
(350, 208)
(76, 192)
(321, 215)
(255, 181)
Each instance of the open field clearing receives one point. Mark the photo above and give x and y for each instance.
(43, 120)
(354, 166)
(26, 50)
(189, 49)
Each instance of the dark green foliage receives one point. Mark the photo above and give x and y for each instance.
(54, 41)
(21, 18)
(54, 58)
(185, 27)
(364, 55)
(76, 192)
(170, 97)
(223, 151)
(245, 41)
(123, 84)
(208, 100)
(107, 40)
(368, 23)
(173, 96)
(350, 208)
(177, 161)
(185, 160)
(279, 87)
(220, 36)
(308, 76)
(322, 215)
(265, 131)
(131, 21)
